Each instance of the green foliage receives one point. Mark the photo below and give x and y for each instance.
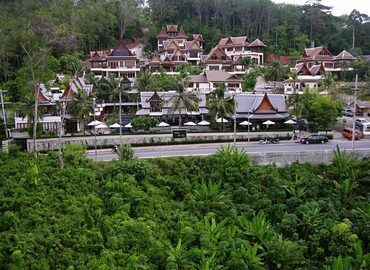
(144, 122)
(320, 111)
(216, 212)
(125, 152)
(250, 79)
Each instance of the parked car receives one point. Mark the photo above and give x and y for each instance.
(315, 139)
(347, 133)
(347, 112)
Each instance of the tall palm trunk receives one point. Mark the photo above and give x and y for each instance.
(35, 120)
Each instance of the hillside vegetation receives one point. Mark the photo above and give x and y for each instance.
(215, 212)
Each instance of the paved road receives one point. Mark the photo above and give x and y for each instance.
(211, 148)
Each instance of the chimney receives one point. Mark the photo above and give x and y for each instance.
(312, 44)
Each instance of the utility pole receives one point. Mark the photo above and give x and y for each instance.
(235, 119)
(3, 111)
(96, 151)
(354, 114)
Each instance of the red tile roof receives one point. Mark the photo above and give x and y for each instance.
(234, 41)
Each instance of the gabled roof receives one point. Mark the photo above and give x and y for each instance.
(120, 50)
(344, 55)
(302, 68)
(257, 43)
(317, 70)
(170, 45)
(265, 105)
(182, 34)
(233, 41)
(154, 98)
(192, 45)
(248, 103)
(220, 55)
(171, 28)
(317, 53)
(198, 37)
(155, 58)
(215, 76)
(167, 61)
(162, 33)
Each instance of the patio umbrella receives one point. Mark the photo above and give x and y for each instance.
(268, 122)
(163, 124)
(101, 125)
(222, 120)
(115, 125)
(204, 123)
(190, 124)
(128, 125)
(290, 122)
(245, 123)
(94, 123)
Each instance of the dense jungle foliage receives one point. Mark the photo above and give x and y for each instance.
(65, 27)
(217, 212)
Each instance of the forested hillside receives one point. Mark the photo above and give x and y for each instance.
(64, 27)
(214, 212)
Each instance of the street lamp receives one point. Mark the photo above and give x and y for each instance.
(96, 151)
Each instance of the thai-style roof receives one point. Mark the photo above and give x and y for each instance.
(170, 45)
(257, 43)
(220, 56)
(215, 76)
(234, 41)
(302, 68)
(192, 45)
(154, 98)
(261, 106)
(320, 53)
(120, 50)
(198, 37)
(171, 28)
(317, 70)
(265, 105)
(182, 34)
(344, 55)
(162, 33)
(155, 58)
(178, 56)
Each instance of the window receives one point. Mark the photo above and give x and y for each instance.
(130, 64)
(238, 49)
(193, 55)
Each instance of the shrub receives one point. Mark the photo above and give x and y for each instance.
(125, 152)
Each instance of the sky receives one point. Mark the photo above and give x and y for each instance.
(340, 7)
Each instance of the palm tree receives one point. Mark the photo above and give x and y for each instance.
(183, 99)
(294, 75)
(220, 106)
(81, 107)
(328, 82)
(144, 83)
(276, 71)
(114, 88)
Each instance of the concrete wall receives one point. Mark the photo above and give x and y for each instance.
(52, 144)
(312, 157)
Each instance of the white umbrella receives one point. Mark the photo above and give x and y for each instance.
(190, 124)
(222, 120)
(115, 125)
(268, 122)
(245, 123)
(163, 124)
(101, 125)
(204, 123)
(128, 125)
(290, 122)
(94, 123)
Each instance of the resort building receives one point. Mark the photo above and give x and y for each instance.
(120, 61)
